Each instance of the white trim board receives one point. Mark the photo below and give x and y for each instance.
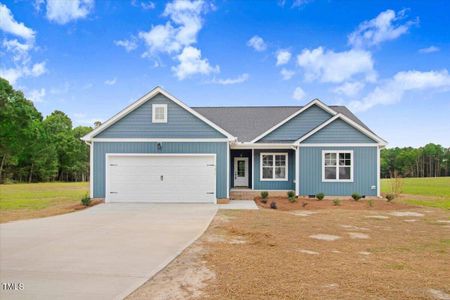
(314, 102)
(167, 140)
(154, 107)
(142, 100)
(91, 170)
(339, 145)
(285, 154)
(349, 122)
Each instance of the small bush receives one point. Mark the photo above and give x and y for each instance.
(304, 204)
(291, 196)
(273, 205)
(390, 197)
(320, 196)
(336, 202)
(264, 194)
(370, 202)
(86, 201)
(356, 196)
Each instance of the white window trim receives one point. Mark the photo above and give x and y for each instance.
(337, 165)
(261, 166)
(154, 107)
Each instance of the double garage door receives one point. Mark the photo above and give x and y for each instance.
(161, 178)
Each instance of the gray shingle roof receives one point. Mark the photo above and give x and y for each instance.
(247, 122)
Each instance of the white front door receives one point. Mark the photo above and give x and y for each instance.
(241, 171)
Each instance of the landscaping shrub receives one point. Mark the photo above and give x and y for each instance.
(356, 196)
(291, 196)
(86, 201)
(370, 202)
(264, 194)
(336, 202)
(273, 205)
(320, 196)
(390, 197)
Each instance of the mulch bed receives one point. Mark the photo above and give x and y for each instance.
(310, 204)
(94, 202)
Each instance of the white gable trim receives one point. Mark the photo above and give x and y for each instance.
(144, 99)
(355, 125)
(314, 102)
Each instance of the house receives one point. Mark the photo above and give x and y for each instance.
(158, 149)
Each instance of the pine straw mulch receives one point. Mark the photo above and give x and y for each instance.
(258, 255)
(311, 204)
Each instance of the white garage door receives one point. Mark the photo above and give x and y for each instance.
(161, 178)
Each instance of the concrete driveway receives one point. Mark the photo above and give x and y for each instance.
(103, 252)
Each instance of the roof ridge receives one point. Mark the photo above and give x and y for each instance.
(262, 106)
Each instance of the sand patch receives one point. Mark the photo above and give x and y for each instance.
(378, 217)
(364, 253)
(410, 220)
(331, 286)
(308, 252)
(351, 227)
(437, 294)
(358, 235)
(303, 213)
(325, 237)
(443, 221)
(238, 240)
(336, 251)
(406, 214)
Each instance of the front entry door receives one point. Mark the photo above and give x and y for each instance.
(241, 171)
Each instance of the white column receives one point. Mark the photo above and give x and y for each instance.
(228, 170)
(378, 172)
(297, 170)
(91, 170)
(253, 168)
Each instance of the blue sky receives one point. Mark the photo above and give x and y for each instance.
(388, 61)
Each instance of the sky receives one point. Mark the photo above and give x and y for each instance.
(388, 61)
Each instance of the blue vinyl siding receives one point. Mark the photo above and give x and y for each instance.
(339, 131)
(299, 125)
(180, 123)
(275, 185)
(364, 172)
(101, 148)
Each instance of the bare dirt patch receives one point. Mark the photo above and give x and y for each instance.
(313, 204)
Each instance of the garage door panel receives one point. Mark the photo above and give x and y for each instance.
(187, 178)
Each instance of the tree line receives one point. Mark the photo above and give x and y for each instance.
(33, 148)
(430, 160)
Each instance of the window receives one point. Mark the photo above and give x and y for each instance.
(159, 113)
(337, 165)
(274, 166)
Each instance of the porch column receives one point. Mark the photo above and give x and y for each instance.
(297, 170)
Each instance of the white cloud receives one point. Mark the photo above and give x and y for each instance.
(11, 74)
(36, 95)
(191, 63)
(128, 45)
(148, 5)
(161, 38)
(9, 25)
(240, 79)
(299, 94)
(283, 57)
(62, 12)
(111, 81)
(287, 74)
(38, 69)
(19, 50)
(257, 43)
(330, 66)
(393, 90)
(430, 49)
(382, 28)
(300, 3)
(349, 89)
(15, 73)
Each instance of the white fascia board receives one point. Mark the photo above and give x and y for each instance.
(144, 99)
(261, 146)
(314, 102)
(167, 140)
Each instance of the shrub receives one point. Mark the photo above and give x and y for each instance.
(291, 196)
(336, 202)
(390, 197)
(356, 196)
(264, 194)
(320, 196)
(86, 201)
(370, 202)
(273, 205)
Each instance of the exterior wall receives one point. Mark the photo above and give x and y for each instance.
(101, 148)
(275, 185)
(339, 131)
(364, 172)
(180, 123)
(299, 125)
(241, 153)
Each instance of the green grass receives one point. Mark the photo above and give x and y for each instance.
(37, 196)
(437, 191)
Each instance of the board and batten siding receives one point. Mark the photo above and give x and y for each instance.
(180, 123)
(364, 172)
(299, 125)
(338, 131)
(102, 148)
(274, 185)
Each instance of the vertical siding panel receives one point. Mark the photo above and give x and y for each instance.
(339, 131)
(364, 176)
(101, 148)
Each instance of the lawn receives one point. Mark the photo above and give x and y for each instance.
(431, 191)
(272, 254)
(24, 201)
